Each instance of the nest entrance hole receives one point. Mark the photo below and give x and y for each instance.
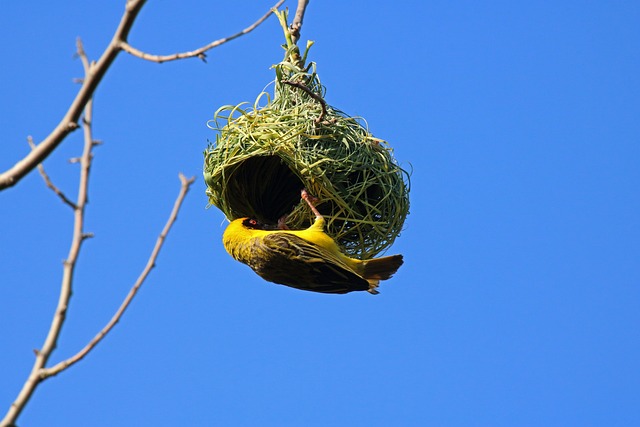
(264, 188)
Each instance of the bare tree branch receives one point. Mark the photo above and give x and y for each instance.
(200, 52)
(91, 81)
(94, 72)
(54, 370)
(39, 372)
(69, 122)
(296, 25)
(42, 355)
(48, 181)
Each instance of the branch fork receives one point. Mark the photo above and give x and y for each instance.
(94, 73)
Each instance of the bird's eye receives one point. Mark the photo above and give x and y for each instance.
(251, 223)
(254, 224)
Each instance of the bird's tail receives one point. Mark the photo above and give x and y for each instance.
(381, 268)
(377, 269)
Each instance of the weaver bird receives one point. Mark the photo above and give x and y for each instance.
(304, 259)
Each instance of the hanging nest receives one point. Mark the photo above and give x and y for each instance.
(265, 154)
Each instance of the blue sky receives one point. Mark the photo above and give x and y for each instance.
(519, 300)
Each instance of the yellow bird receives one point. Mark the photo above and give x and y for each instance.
(304, 259)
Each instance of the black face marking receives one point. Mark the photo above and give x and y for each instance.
(252, 223)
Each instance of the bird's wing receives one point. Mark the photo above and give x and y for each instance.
(290, 260)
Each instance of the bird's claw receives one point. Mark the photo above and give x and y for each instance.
(282, 222)
(310, 201)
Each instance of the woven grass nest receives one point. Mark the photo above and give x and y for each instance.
(265, 153)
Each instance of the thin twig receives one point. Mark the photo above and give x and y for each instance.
(296, 25)
(200, 52)
(83, 58)
(54, 370)
(69, 122)
(48, 181)
(79, 236)
(312, 94)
